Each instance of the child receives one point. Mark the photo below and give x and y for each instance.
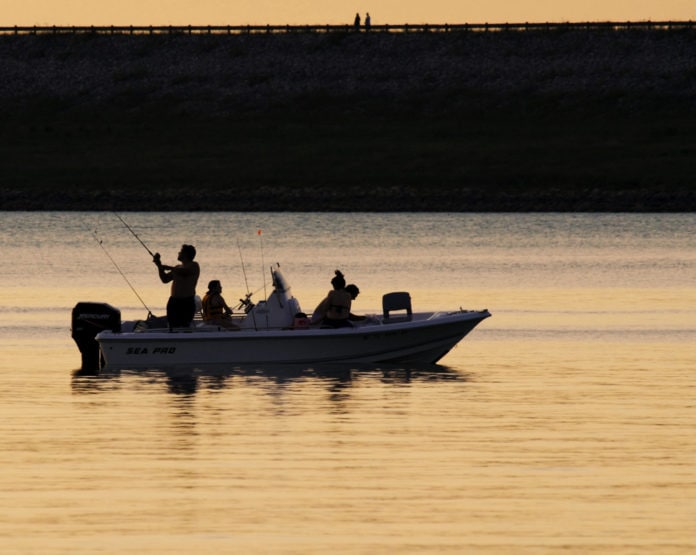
(215, 309)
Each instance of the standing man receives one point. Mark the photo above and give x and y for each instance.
(181, 305)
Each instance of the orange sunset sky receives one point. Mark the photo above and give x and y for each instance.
(241, 12)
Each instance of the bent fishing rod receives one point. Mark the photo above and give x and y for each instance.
(101, 244)
(129, 228)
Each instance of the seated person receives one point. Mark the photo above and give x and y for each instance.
(353, 291)
(215, 309)
(334, 310)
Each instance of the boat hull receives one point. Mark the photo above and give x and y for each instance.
(423, 339)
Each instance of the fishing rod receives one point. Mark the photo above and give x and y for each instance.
(129, 228)
(246, 301)
(101, 244)
(241, 258)
(263, 264)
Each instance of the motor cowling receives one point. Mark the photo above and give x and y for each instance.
(88, 319)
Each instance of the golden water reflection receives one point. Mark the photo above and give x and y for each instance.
(564, 423)
(544, 445)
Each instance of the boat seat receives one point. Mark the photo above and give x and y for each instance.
(398, 300)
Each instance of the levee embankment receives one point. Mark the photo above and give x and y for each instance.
(537, 120)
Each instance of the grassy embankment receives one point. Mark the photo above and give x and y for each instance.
(509, 121)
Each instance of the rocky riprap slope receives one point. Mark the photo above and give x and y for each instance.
(224, 75)
(536, 120)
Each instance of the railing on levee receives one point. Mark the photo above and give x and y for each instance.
(385, 28)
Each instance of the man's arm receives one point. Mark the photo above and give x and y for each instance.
(162, 269)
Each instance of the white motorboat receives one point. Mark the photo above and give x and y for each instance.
(273, 331)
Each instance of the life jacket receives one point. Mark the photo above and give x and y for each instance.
(211, 312)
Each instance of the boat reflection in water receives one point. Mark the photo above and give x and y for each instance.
(189, 381)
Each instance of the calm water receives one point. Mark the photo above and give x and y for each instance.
(564, 423)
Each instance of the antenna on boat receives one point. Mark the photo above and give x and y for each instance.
(101, 244)
(129, 228)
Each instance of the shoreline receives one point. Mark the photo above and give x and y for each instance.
(644, 201)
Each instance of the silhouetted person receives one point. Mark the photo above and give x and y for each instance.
(215, 309)
(334, 310)
(368, 21)
(356, 23)
(353, 291)
(182, 304)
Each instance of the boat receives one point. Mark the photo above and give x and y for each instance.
(272, 331)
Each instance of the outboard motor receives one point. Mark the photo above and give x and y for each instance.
(88, 319)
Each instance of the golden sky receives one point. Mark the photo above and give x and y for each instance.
(240, 12)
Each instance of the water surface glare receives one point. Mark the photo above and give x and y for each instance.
(564, 423)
